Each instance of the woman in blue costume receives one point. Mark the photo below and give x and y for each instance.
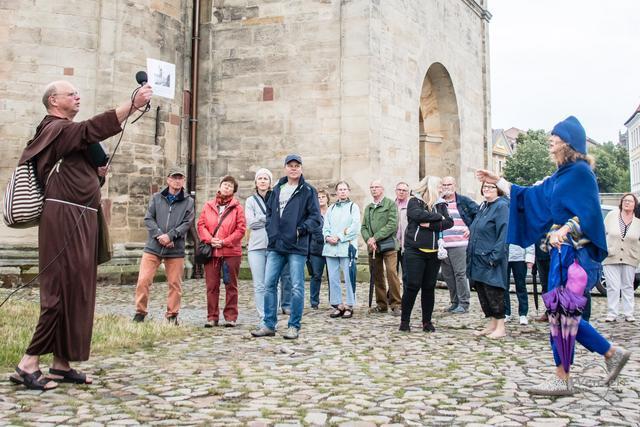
(566, 205)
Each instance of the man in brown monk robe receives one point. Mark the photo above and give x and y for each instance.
(68, 232)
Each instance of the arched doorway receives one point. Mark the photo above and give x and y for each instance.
(439, 124)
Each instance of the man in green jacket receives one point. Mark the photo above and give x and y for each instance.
(381, 222)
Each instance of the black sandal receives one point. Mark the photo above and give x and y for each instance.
(338, 312)
(32, 381)
(70, 376)
(348, 313)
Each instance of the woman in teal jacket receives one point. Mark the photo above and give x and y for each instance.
(340, 230)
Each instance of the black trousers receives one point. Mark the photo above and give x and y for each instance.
(422, 273)
(543, 272)
(491, 300)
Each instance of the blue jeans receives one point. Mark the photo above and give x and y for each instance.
(519, 271)
(275, 265)
(316, 268)
(257, 263)
(284, 289)
(335, 264)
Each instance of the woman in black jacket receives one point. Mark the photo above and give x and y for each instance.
(427, 217)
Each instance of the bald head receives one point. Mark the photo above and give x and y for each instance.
(61, 98)
(49, 91)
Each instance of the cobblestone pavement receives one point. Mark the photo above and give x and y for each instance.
(347, 372)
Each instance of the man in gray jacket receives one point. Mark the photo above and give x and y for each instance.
(168, 220)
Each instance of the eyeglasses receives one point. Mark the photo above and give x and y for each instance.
(489, 187)
(628, 201)
(375, 186)
(177, 177)
(402, 190)
(75, 94)
(447, 185)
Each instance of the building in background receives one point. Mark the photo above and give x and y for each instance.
(361, 89)
(512, 135)
(633, 138)
(501, 149)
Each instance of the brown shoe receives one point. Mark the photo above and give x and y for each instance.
(542, 318)
(377, 309)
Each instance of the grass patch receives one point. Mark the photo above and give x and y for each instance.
(111, 334)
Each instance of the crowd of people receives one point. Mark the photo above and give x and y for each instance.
(425, 230)
(556, 223)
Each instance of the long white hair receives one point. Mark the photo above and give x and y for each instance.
(428, 189)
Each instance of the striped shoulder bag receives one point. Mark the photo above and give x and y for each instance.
(24, 196)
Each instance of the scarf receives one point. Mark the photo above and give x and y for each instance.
(222, 200)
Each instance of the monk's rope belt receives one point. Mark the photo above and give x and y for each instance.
(72, 204)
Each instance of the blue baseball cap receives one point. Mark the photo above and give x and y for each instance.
(293, 158)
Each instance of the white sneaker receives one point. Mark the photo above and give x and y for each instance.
(610, 318)
(524, 320)
(630, 318)
(553, 387)
(615, 364)
(507, 318)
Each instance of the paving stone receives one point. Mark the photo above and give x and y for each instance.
(352, 372)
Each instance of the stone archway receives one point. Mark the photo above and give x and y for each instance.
(439, 124)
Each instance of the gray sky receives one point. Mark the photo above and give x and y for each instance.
(554, 58)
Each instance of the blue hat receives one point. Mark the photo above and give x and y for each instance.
(571, 131)
(293, 158)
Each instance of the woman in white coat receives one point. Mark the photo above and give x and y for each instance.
(623, 242)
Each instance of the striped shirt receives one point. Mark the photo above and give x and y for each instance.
(454, 237)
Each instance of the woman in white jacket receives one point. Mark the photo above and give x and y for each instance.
(256, 215)
(340, 230)
(623, 234)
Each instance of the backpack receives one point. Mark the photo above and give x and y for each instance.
(24, 196)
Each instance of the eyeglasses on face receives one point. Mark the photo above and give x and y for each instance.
(402, 190)
(489, 187)
(74, 94)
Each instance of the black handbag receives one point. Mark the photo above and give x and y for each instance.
(204, 252)
(387, 244)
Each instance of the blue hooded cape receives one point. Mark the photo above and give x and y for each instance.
(571, 191)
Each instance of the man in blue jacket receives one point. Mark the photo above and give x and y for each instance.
(293, 213)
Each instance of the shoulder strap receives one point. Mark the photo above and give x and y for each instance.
(260, 204)
(222, 217)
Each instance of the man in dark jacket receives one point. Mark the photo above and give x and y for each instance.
(293, 213)
(168, 219)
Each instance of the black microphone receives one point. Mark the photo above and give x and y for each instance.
(141, 77)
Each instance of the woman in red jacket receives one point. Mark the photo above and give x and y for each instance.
(222, 225)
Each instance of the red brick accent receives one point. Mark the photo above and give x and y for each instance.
(267, 93)
(174, 119)
(68, 71)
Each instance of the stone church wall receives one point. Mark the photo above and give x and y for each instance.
(362, 89)
(98, 45)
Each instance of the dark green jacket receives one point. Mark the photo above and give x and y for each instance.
(380, 221)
